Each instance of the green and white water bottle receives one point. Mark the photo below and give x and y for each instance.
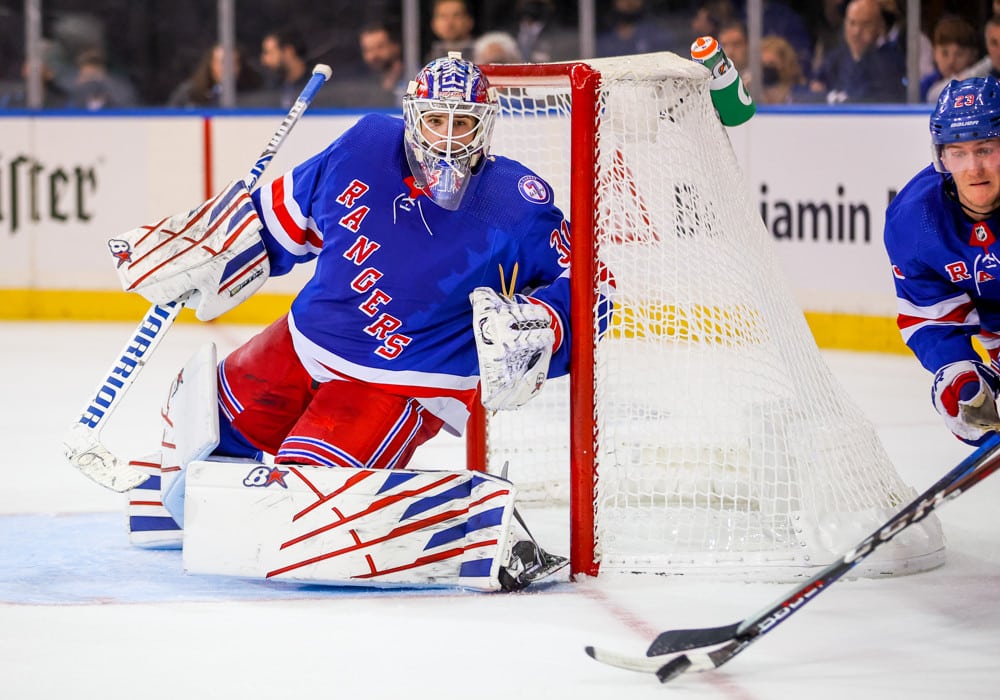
(729, 96)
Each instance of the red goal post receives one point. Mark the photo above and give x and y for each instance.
(582, 82)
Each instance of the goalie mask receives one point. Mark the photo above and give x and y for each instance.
(448, 110)
(967, 110)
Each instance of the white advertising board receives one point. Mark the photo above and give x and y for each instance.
(821, 182)
(70, 183)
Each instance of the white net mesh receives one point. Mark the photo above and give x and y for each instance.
(724, 446)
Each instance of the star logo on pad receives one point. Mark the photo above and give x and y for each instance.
(262, 476)
(276, 476)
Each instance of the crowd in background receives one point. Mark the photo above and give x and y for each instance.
(101, 54)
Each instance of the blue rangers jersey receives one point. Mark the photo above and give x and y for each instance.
(389, 303)
(946, 271)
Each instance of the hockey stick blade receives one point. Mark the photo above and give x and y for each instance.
(665, 668)
(677, 651)
(630, 662)
(82, 443)
(674, 641)
(674, 668)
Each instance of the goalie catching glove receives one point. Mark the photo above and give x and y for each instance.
(514, 340)
(214, 250)
(965, 394)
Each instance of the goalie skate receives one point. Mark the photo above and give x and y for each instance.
(528, 563)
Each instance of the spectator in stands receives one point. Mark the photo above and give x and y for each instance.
(95, 88)
(780, 19)
(956, 47)
(382, 52)
(629, 29)
(861, 69)
(895, 33)
(283, 56)
(270, 61)
(452, 25)
(732, 38)
(203, 88)
(540, 36)
(496, 47)
(992, 35)
(714, 16)
(14, 94)
(988, 64)
(782, 80)
(710, 16)
(74, 34)
(828, 32)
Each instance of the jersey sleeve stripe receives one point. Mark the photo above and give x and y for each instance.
(990, 341)
(290, 217)
(954, 312)
(939, 309)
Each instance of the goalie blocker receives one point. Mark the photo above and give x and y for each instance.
(214, 251)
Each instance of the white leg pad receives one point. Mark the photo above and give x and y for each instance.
(190, 425)
(149, 524)
(155, 508)
(341, 526)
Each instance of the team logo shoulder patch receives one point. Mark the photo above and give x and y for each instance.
(533, 189)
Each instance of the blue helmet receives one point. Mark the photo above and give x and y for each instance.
(441, 160)
(967, 110)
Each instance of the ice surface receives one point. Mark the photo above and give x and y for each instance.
(84, 615)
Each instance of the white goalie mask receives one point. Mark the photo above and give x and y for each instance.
(448, 111)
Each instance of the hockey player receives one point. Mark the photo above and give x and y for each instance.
(405, 219)
(940, 234)
(438, 266)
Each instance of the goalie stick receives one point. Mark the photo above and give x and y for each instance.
(676, 651)
(82, 444)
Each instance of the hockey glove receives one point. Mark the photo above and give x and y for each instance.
(514, 341)
(214, 250)
(965, 394)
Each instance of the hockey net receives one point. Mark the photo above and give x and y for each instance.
(701, 432)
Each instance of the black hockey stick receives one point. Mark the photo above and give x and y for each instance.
(677, 651)
(82, 444)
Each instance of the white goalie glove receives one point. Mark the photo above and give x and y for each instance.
(514, 341)
(215, 251)
(965, 394)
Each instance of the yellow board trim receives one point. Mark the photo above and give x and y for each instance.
(86, 305)
(833, 331)
(854, 332)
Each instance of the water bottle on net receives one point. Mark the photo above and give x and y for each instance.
(729, 96)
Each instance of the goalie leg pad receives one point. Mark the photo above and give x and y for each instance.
(149, 524)
(344, 526)
(190, 425)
